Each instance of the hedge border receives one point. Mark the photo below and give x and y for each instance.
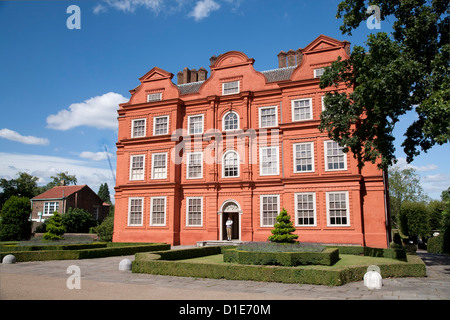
(162, 263)
(327, 257)
(107, 250)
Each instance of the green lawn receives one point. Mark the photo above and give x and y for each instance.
(345, 260)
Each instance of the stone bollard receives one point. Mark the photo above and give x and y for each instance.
(372, 278)
(9, 259)
(125, 265)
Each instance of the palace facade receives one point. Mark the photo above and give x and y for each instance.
(244, 144)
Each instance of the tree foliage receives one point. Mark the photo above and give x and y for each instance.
(282, 232)
(77, 220)
(399, 72)
(413, 219)
(404, 185)
(15, 224)
(103, 193)
(55, 228)
(25, 185)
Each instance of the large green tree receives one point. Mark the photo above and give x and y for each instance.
(15, 221)
(25, 185)
(406, 70)
(404, 185)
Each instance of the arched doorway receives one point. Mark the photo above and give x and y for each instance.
(230, 208)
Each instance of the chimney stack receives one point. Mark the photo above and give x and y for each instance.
(202, 74)
(291, 58)
(191, 75)
(282, 59)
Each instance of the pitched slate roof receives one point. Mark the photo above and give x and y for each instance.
(58, 192)
(273, 75)
(280, 74)
(191, 87)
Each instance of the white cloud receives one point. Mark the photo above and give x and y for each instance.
(99, 8)
(203, 9)
(91, 173)
(401, 162)
(98, 112)
(131, 5)
(96, 156)
(15, 136)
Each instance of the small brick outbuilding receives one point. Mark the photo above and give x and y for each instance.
(61, 198)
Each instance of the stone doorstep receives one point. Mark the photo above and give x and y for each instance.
(218, 243)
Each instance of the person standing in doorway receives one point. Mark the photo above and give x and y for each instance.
(229, 225)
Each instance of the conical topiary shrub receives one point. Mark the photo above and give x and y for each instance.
(54, 228)
(282, 232)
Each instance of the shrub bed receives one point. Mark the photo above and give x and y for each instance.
(327, 257)
(154, 263)
(85, 251)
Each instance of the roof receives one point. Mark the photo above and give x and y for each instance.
(280, 74)
(191, 87)
(59, 192)
(273, 75)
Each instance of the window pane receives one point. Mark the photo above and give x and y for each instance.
(137, 168)
(302, 110)
(135, 213)
(159, 166)
(268, 117)
(231, 165)
(161, 125)
(195, 124)
(138, 128)
(231, 121)
(335, 156)
(303, 157)
(269, 210)
(194, 212)
(158, 211)
(269, 161)
(194, 165)
(305, 209)
(338, 211)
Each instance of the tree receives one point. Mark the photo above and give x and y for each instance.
(77, 220)
(15, 221)
(103, 193)
(407, 70)
(106, 229)
(54, 228)
(412, 220)
(404, 185)
(61, 178)
(25, 185)
(283, 228)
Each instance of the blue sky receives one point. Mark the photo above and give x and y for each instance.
(60, 88)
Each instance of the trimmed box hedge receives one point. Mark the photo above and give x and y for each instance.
(154, 263)
(84, 251)
(327, 257)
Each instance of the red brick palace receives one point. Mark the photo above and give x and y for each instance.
(244, 144)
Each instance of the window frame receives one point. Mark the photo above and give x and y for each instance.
(153, 165)
(129, 212)
(156, 94)
(297, 224)
(48, 204)
(187, 211)
(237, 88)
(133, 126)
(154, 125)
(294, 156)
(223, 120)
(261, 167)
(238, 164)
(316, 72)
(293, 109)
(260, 116)
(347, 208)
(261, 209)
(325, 149)
(151, 223)
(188, 161)
(202, 122)
(131, 167)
